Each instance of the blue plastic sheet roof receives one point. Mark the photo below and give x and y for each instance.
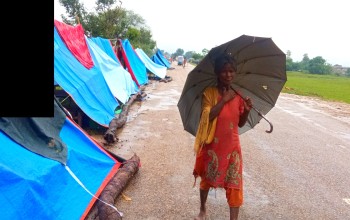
(118, 79)
(137, 66)
(87, 87)
(160, 56)
(36, 187)
(157, 69)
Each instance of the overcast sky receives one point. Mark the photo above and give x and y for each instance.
(313, 27)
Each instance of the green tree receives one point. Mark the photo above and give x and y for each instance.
(75, 11)
(110, 21)
(289, 64)
(306, 58)
(197, 56)
(205, 52)
(179, 52)
(304, 64)
(296, 66)
(347, 73)
(189, 54)
(289, 61)
(318, 65)
(141, 38)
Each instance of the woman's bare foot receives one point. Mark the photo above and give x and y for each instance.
(201, 215)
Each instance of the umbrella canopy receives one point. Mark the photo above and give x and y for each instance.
(261, 75)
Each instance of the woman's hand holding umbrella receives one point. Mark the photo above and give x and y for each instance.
(248, 105)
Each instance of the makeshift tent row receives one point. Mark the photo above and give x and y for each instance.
(97, 90)
(87, 87)
(50, 168)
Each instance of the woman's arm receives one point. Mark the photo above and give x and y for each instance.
(247, 107)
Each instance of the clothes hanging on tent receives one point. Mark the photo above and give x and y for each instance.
(74, 39)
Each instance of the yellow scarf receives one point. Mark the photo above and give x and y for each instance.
(206, 128)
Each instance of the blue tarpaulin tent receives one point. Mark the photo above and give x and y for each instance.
(118, 79)
(59, 179)
(158, 70)
(158, 61)
(135, 63)
(106, 46)
(159, 58)
(87, 87)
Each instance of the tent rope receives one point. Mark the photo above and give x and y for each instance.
(64, 99)
(81, 184)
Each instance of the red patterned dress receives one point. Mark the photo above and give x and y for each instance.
(219, 162)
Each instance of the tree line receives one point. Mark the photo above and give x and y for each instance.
(189, 55)
(316, 65)
(111, 21)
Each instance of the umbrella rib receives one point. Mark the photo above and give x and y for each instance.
(260, 74)
(191, 106)
(197, 83)
(256, 57)
(257, 95)
(253, 44)
(249, 45)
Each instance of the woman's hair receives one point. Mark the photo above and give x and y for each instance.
(221, 60)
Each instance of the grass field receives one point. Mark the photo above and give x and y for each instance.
(327, 87)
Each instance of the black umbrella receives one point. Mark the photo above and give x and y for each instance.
(261, 75)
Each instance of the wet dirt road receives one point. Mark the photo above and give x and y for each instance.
(299, 171)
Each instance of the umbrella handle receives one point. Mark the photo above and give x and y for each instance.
(259, 113)
(263, 116)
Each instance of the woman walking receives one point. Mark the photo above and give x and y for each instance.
(217, 145)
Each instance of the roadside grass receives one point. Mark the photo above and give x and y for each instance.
(326, 87)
